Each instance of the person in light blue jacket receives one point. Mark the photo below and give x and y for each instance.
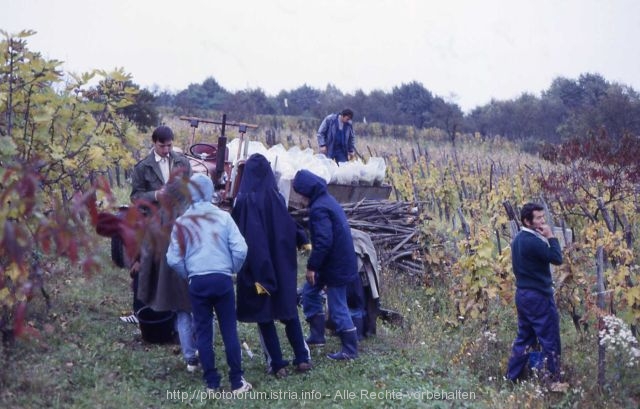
(207, 248)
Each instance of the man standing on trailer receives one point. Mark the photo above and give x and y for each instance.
(336, 138)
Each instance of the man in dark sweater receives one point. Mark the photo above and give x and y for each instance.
(533, 248)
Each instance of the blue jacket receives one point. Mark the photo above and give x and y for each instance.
(332, 256)
(327, 136)
(205, 239)
(531, 257)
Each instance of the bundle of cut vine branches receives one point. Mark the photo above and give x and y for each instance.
(394, 228)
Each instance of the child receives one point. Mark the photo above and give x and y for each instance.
(207, 248)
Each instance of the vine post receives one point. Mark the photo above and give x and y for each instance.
(600, 303)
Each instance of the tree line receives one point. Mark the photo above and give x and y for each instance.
(569, 108)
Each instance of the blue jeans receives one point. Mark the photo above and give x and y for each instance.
(337, 304)
(538, 321)
(184, 327)
(209, 292)
(313, 301)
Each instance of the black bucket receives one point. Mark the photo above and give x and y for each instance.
(156, 327)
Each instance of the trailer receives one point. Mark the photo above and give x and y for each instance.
(226, 169)
(215, 160)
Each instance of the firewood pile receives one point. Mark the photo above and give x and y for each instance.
(394, 228)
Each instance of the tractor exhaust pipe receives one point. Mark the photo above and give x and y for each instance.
(222, 151)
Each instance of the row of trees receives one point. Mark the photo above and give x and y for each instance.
(568, 108)
(408, 104)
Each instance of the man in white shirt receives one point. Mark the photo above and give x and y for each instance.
(158, 189)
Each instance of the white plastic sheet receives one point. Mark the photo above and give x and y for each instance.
(285, 163)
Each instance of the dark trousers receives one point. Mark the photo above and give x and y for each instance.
(339, 155)
(137, 304)
(271, 343)
(538, 321)
(209, 292)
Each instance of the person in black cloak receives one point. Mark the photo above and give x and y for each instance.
(267, 283)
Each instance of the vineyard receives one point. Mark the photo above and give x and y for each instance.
(466, 191)
(63, 158)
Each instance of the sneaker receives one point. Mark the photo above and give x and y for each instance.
(244, 387)
(129, 319)
(192, 365)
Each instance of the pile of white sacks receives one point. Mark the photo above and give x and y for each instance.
(285, 163)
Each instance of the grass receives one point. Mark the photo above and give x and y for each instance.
(87, 358)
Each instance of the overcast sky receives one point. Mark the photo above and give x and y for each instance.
(466, 51)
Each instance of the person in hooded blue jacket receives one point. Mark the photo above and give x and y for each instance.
(332, 263)
(207, 249)
(267, 283)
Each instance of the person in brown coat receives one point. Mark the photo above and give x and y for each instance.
(159, 184)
